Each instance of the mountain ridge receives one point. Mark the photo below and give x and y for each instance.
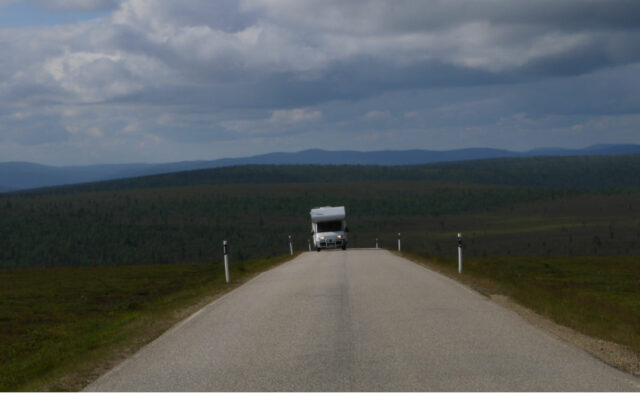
(18, 175)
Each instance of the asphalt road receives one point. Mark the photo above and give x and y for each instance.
(360, 320)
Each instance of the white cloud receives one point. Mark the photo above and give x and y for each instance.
(97, 76)
(286, 117)
(376, 115)
(200, 71)
(79, 5)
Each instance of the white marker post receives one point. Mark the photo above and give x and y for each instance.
(226, 260)
(398, 242)
(376, 243)
(290, 246)
(459, 253)
(309, 241)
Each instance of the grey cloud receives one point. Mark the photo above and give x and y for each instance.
(416, 15)
(79, 5)
(377, 16)
(510, 27)
(608, 92)
(212, 44)
(355, 79)
(38, 130)
(155, 72)
(224, 15)
(600, 52)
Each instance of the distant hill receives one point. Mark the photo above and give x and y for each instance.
(23, 175)
(577, 173)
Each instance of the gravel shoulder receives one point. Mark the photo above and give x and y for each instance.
(612, 353)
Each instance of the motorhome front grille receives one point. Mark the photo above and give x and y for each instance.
(331, 243)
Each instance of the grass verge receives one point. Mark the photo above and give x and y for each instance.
(598, 297)
(60, 328)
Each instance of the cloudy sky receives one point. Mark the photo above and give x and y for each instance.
(114, 81)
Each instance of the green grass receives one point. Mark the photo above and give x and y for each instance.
(598, 296)
(177, 225)
(52, 320)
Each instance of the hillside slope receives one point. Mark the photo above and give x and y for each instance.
(21, 175)
(585, 173)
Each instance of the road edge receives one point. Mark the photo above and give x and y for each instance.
(115, 356)
(611, 353)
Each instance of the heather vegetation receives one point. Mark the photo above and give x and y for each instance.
(188, 224)
(60, 326)
(540, 206)
(89, 268)
(595, 295)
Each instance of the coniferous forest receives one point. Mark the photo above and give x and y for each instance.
(541, 206)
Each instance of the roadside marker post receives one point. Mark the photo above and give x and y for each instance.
(459, 253)
(398, 242)
(376, 243)
(226, 260)
(290, 246)
(309, 241)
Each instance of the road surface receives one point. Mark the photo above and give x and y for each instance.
(360, 320)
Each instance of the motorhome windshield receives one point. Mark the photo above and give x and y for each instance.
(324, 227)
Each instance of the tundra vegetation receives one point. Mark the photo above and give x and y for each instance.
(81, 265)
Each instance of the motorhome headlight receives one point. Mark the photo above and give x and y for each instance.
(321, 238)
(339, 236)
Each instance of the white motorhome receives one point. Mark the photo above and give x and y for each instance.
(329, 228)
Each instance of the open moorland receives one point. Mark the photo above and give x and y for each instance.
(61, 327)
(560, 235)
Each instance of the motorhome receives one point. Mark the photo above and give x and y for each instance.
(329, 228)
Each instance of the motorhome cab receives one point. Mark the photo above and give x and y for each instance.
(329, 228)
